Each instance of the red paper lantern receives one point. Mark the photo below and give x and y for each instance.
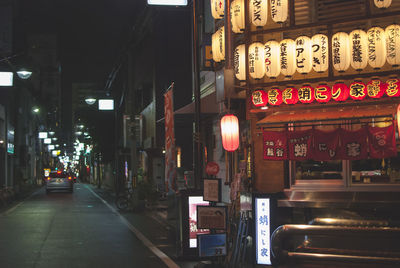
(358, 90)
(290, 95)
(393, 87)
(323, 93)
(306, 94)
(275, 96)
(230, 132)
(376, 88)
(340, 91)
(259, 98)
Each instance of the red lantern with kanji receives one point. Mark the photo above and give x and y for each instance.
(323, 93)
(230, 132)
(340, 91)
(290, 95)
(306, 94)
(259, 98)
(274, 96)
(393, 87)
(375, 88)
(358, 90)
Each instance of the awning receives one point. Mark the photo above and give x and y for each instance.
(208, 105)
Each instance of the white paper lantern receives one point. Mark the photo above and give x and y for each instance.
(382, 3)
(272, 59)
(239, 61)
(218, 45)
(376, 47)
(392, 33)
(217, 9)
(279, 10)
(320, 47)
(256, 60)
(238, 16)
(235, 28)
(358, 49)
(258, 11)
(287, 56)
(303, 54)
(341, 51)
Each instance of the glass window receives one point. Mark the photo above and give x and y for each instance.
(318, 170)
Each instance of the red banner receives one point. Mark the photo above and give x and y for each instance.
(300, 144)
(326, 145)
(354, 144)
(275, 145)
(170, 163)
(382, 142)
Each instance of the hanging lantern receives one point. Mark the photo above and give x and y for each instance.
(256, 60)
(274, 96)
(259, 98)
(287, 57)
(290, 95)
(306, 94)
(358, 90)
(272, 63)
(375, 88)
(237, 18)
(323, 93)
(235, 28)
(382, 3)
(320, 53)
(218, 45)
(303, 54)
(279, 10)
(230, 132)
(392, 33)
(340, 91)
(376, 47)
(239, 61)
(258, 10)
(358, 49)
(341, 51)
(217, 9)
(393, 87)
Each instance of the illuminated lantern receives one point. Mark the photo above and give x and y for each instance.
(272, 59)
(320, 53)
(393, 87)
(239, 62)
(237, 18)
(376, 47)
(256, 60)
(358, 90)
(375, 88)
(303, 54)
(279, 10)
(340, 91)
(258, 10)
(274, 96)
(290, 95)
(287, 57)
(259, 98)
(306, 94)
(358, 49)
(341, 51)
(323, 93)
(235, 27)
(230, 132)
(382, 3)
(217, 9)
(218, 45)
(392, 33)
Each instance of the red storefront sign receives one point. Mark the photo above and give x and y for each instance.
(212, 168)
(275, 145)
(326, 145)
(382, 142)
(323, 93)
(376, 88)
(259, 98)
(300, 144)
(353, 144)
(358, 91)
(306, 94)
(274, 96)
(290, 95)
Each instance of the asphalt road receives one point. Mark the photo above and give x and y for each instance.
(71, 230)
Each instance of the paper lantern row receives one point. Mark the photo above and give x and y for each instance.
(324, 93)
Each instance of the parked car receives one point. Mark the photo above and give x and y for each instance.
(58, 180)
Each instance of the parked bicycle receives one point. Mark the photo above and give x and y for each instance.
(125, 199)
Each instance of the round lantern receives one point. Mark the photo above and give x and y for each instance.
(376, 47)
(320, 53)
(358, 90)
(392, 33)
(393, 87)
(272, 63)
(279, 10)
(256, 60)
(218, 45)
(306, 94)
(382, 3)
(303, 54)
(290, 95)
(214, 46)
(323, 93)
(340, 91)
(238, 18)
(274, 96)
(258, 10)
(230, 132)
(287, 57)
(259, 98)
(375, 88)
(235, 28)
(358, 49)
(239, 62)
(217, 9)
(341, 51)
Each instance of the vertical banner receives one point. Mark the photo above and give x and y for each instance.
(354, 144)
(170, 161)
(382, 142)
(326, 145)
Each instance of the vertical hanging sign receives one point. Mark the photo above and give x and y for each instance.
(170, 161)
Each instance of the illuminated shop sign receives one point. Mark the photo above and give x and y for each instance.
(263, 233)
(194, 201)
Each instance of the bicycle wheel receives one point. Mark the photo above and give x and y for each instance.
(122, 202)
